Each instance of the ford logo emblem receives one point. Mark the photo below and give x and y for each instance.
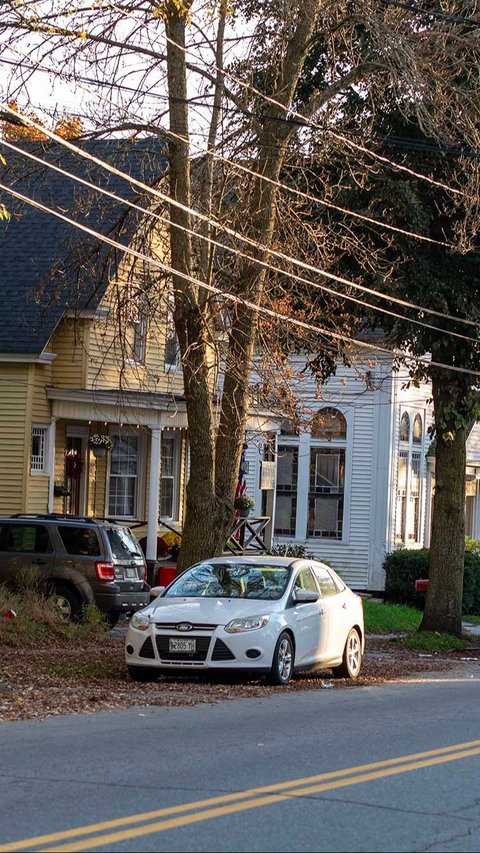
(184, 626)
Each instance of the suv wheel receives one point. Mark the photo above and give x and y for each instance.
(66, 601)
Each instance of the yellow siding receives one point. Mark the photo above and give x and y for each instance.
(14, 444)
(69, 343)
(110, 362)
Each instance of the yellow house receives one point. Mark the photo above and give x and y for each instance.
(87, 346)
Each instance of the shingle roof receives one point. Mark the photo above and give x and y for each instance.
(46, 265)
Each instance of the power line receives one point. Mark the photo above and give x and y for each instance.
(231, 232)
(249, 171)
(232, 249)
(230, 297)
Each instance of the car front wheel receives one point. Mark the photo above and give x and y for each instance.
(282, 664)
(352, 657)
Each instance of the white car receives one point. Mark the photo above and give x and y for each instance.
(268, 616)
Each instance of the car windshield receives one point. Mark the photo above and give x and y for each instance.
(226, 580)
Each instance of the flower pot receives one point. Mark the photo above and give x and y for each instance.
(99, 452)
(243, 513)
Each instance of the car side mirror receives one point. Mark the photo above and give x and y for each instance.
(303, 596)
(155, 591)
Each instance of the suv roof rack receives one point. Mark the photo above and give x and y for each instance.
(51, 515)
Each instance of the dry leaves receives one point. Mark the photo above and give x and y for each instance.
(57, 679)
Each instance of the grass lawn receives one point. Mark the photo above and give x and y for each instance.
(386, 618)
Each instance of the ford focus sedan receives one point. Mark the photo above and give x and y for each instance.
(268, 616)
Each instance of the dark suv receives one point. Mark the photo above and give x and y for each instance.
(79, 560)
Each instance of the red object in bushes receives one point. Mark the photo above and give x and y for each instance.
(166, 574)
(10, 614)
(421, 585)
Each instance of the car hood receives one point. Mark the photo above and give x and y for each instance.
(214, 611)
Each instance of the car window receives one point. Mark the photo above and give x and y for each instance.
(305, 580)
(123, 544)
(26, 538)
(325, 582)
(238, 580)
(79, 540)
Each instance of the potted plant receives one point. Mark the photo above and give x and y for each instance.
(99, 443)
(243, 503)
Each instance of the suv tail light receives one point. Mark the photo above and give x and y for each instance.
(105, 571)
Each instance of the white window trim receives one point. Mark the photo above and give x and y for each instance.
(45, 430)
(139, 508)
(175, 435)
(411, 448)
(305, 443)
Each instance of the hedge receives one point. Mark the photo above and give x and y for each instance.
(403, 567)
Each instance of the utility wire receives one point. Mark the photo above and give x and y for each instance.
(269, 267)
(230, 297)
(249, 171)
(231, 232)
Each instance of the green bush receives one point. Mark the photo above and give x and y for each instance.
(292, 550)
(403, 567)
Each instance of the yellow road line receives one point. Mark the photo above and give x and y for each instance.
(240, 800)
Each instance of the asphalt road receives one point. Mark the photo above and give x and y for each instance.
(394, 767)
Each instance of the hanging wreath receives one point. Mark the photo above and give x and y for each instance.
(74, 466)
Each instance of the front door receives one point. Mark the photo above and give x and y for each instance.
(74, 475)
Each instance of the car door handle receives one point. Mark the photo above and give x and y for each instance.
(322, 612)
(39, 562)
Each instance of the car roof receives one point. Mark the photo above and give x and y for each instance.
(54, 516)
(261, 560)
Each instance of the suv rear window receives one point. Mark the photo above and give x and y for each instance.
(123, 544)
(79, 540)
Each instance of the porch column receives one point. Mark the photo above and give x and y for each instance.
(51, 462)
(153, 494)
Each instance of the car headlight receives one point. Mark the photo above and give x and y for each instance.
(251, 623)
(140, 621)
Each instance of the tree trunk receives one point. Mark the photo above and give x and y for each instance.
(443, 604)
(214, 465)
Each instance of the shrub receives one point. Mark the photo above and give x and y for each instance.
(287, 550)
(403, 567)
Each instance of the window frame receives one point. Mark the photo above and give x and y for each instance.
(43, 430)
(138, 498)
(409, 502)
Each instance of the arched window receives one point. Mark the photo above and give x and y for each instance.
(409, 472)
(405, 427)
(329, 424)
(327, 474)
(417, 430)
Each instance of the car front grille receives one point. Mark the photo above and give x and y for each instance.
(171, 626)
(221, 651)
(199, 655)
(147, 649)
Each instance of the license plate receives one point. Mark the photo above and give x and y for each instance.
(181, 645)
(130, 572)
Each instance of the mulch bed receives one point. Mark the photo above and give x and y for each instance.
(71, 679)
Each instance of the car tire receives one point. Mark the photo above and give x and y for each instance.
(142, 673)
(282, 663)
(352, 657)
(66, 601)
